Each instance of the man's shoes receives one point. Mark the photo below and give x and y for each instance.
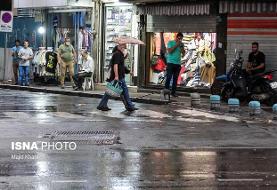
(62, 86)
(103, 108)
(174, 95)
(131, 109)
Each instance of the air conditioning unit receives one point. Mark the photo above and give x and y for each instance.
(51, 3)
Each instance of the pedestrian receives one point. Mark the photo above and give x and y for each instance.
(16, 59)
(87, 70)
(175, 49)
(25, 54)
(118, 74)
(66, 58)
(256, 61)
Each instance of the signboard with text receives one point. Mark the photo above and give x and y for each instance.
(6, 21)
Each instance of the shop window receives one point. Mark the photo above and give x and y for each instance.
(197, 64)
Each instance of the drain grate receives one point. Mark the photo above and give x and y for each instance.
(107, 137)
(84, 132)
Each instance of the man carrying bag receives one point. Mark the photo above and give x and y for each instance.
(116, 82)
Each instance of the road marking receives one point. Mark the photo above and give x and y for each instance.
(238, 180)
(69, 181)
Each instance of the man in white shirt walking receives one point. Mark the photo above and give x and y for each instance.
(87, 70)
(25, 54)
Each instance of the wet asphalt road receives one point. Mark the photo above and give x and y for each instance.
(160, 147)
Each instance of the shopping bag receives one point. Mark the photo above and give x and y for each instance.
(154, 60)
(113, 88)
(159, 66)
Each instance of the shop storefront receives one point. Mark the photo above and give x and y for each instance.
(58, 20)
(199, 22)
(251, 21)
(119, 19)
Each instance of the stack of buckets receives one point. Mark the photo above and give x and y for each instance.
(234, 105)
(195, 99)
(255, 107)
(215, 102)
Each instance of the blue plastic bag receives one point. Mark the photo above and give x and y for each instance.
(113, 88)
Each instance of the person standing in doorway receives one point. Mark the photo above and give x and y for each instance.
(175, 49)
(25, 54)
(16, 59)
(66, 58)
(118, 74)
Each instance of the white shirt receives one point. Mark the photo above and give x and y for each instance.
(88, 65)
(196, 44)
(25, 53)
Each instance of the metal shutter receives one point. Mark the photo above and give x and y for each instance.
(242, 31)
(181, 23)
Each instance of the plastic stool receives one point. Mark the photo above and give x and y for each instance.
(88, 83)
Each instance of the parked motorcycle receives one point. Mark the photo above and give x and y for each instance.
(262, 88)
(233, 84)
(237, 84)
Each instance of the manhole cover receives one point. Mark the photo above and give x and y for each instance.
(108, 137)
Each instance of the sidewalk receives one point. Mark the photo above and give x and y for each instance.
(141, 97)
(148, 96)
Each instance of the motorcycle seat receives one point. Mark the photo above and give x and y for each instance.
(222, 78)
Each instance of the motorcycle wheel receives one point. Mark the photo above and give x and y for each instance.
(227, 92)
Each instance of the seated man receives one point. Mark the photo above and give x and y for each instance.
(86, 71)
(256, 61)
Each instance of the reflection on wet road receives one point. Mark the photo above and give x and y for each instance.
(148, 169)
(162, 147)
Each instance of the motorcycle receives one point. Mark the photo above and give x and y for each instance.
(237, 84)
(262, 88)
(233, 84)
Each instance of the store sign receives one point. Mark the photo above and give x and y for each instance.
(6, 21)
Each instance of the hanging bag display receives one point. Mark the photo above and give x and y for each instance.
(159, 66)
(158, 62)
(154, 60)
(114, 89)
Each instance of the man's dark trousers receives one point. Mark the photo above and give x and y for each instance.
(172, 70)
(80, 77)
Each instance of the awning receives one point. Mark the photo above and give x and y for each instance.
(52, 4)
(174, 9)
(248, 6)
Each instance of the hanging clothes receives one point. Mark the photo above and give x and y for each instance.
(51, 61)
(85, 39)
(80, 39)
(208, 71)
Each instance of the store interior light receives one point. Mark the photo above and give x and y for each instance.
(41, 30)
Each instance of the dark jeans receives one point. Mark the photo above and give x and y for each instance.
(24, 75)
(124, 97)
(80, 77)
(173, 70)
